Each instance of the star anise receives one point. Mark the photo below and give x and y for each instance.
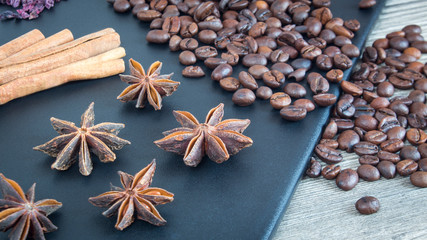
(215, 138)
(77, 143)
(151, 86)
(19, 212)
(135, 198)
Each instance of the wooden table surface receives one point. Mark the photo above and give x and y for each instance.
(320, 210)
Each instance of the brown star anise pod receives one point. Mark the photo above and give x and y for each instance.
(215, 138)
(151, 86)
(135, 198)
(19, 212)
(77, 143)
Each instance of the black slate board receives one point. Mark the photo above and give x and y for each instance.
(242, 198)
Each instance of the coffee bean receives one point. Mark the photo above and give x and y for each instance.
(341, 41)
(406, 167)
(345, 109)
(257, 71)
(388, 123)
(350, 50)
(352, 25)
(392, 145)
(187, 58)
(301, 63)
(375, 137)
(331, 171)
(212, 63)
(420, 45)
(314, 168)
(385, 112)
(421, 85)
(347, 179)
(243, 97)
(367, 205)
(279, 56)
(327, 154)
(305, 103)
(293, 113)
(363, 110)
(369, 159)
(121, 6)
(417, 96)
(416, 136)
(324, 62)
(416, 121)
(368, 173)
(335, 75)
(273, 78)
(419, 179)
(401, 81)
(329, 143)
(410, 152)
(222, 71)
(318, 85)
(148, 15)
(325, 99)
(205, 52)
(229, 84)
(399, 43)
(342, 62)
(379, 102)
(347, 140)
(310, 52)
(344, 124)
(422, 165)
(351, 88)
(157, 36)
(295, 90)
(264, 92)
(396, 133)
(174, 43)
(331, 130)
(136, 2)
(365, 148)
(279, 100)
(193, 72)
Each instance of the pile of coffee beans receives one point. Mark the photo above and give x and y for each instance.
(277, 40)
(386, 131)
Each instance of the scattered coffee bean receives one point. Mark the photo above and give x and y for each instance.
(247, 80)
(327, 154)
(406, 167)
(295, 90)
(243, 97)
(419, 179)
(347, 179)
(331, 171)
(410, 152)
(279, 100)
(367, 205)
(187, 58)
(314, 168)
(305, 103)
(229, 84)
(368, 173)
(222, 71)
(264, 92)
(369, 159)
(293, 113)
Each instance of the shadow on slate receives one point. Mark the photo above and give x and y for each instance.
(243, 198)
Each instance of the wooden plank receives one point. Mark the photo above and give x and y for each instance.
(319, 210)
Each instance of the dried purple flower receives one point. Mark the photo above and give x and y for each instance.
(30, 8)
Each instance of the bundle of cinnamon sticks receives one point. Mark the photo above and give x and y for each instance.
(33, 63)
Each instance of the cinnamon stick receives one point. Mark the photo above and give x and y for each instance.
(20, 43)
(60, 48)
(103, 65)
(79, 52)
(55, 40)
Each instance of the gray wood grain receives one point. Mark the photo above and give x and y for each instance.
(319, 210)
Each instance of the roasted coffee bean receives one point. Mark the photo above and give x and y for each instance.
(331, 130)
(419, 179)
(230, 84)
(363, 109)
(419, 108)
(367, 205)
(121, 6)
(417, 96)
(375, 137)
(212, 63)
(295, 90)
(403, 121)
(420, 45)
(205, 52)
(329, 143)
(342, 62)
(222, 71)
(325, 99)
(399, 108)
(411, 29)
(347, 140)
(387, 123)
(366, 122)
(188, 44)
(157, 24)
(314, 168)
(406, 167)
(305, 103)
(387, 169)
(360, 132)
(187, 58)
(416, 121)
(368, 172)
(421, 85)
(247, 80)
(189, 30)
(230, 58)
(342, 31)
(174, 43)
(193, 72)
(350, 50)
(254, 59)
(396, 133)
(365, 148)
(207, 36)
(399, 43)
(331, 51)
(264, 92)
(267, 41)
(211, 23)
(331, 171)
(422, 165)
(416, 136)
(310, 52)
(396, 63)
(171, 25)
(297, 75)
(148, 15)
(319, 85)
(401, 81)
(243, 97)
(273, 78)
(257, 71)
(301, 63)
(284, 68)
(352, 25)
(384, 112)
(324, 62)
(385, 89)
(377, 77)
(341, 41)
(422, 148)
(293, 113)
(140, 7)
(410, 152)
(347, 179)
(345, 109)
(335, 75)
(279, 100)
(157, 36)
(344, 124)
(327, 154)
(379, 102)
(279, 56)
(388, 156)
(392, 145)
(392, 54)
(369, 159)
(351, 88)
(318, 42)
